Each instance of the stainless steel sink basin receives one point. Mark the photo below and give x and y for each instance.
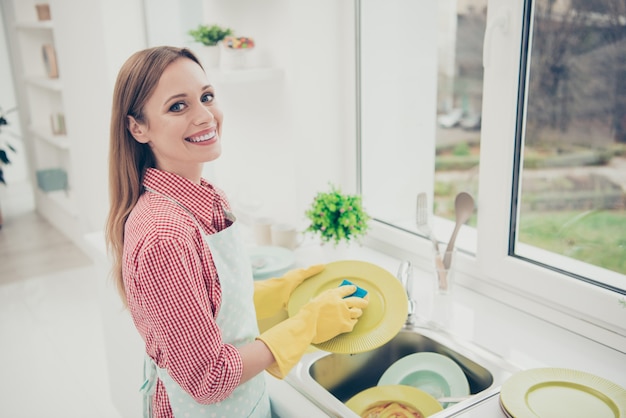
(329, 380)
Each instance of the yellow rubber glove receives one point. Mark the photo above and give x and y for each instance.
(323, 318)
(272, 295)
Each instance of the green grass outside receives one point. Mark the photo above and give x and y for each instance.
(595, 237)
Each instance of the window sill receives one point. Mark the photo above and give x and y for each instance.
(512, 282)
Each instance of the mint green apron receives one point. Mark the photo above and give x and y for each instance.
(237, 322)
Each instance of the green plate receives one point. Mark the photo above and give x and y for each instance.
(407, 395)
(433, 373)
(381, 320)
(555, 392)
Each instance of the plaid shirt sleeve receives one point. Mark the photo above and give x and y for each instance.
(178, 321)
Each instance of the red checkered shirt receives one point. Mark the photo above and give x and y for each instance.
(173, 290)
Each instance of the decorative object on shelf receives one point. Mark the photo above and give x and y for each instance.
(241, 42)
(235, 51)
(43, 11)
(50, 60)
(337, 217)
(52, 179)
(57, 123)
(210, 37)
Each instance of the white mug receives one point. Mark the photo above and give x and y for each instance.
(261, 230)
(285, 235)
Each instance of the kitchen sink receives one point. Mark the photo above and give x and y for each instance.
(329, 380)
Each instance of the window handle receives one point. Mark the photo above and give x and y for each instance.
(502, 23)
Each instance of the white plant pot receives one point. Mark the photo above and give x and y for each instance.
(210, 56)
(234, 59)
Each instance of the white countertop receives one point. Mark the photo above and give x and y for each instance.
(518, 338)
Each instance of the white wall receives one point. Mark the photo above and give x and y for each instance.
(399, 97)
(284, 140)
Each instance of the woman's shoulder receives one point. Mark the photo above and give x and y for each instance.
(158, 218)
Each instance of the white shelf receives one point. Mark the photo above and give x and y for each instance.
(245, 75)
(36, 25)
(59, 141)
(53, 84)
(41, 96)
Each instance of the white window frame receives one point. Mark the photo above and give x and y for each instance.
(581, 307)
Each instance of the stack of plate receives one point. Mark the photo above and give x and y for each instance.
(417, 381)
(269, 261)
(556, 393)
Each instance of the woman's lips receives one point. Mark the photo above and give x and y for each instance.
(201, 138)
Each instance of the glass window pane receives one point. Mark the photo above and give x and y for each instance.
(397, 102)
(573, 181)
(418, 136)
(459, 113)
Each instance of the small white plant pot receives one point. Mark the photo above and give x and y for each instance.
(210, 56)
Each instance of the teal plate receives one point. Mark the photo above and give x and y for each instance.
(269, 261)
(433, 373)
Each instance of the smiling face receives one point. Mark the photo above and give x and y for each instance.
(182, 121)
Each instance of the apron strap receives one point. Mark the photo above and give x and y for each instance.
(149, 385)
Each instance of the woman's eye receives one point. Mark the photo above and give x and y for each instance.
(207, 97)
(177, 107)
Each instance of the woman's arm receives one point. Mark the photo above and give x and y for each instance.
(256, 357)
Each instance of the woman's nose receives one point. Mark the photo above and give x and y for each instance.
(203, 114)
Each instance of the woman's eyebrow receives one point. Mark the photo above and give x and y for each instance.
(176, 96)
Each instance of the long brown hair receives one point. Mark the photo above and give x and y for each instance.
(129, 159)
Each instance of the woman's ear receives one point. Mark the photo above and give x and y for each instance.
(137, 130)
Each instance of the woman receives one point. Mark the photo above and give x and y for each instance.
(178, 260)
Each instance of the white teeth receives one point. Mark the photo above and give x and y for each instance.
(202, 138)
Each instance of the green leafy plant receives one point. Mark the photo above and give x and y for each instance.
(209, 35)
(337, 217)
(4, 157)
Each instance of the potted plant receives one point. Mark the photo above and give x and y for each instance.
(4, 157)
(337, 217)
(209, 35)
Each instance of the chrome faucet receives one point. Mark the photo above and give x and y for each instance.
(405, 275)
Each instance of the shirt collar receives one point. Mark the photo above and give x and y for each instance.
(200, 199)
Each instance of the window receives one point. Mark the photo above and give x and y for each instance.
(573, 145)
(523, 105)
